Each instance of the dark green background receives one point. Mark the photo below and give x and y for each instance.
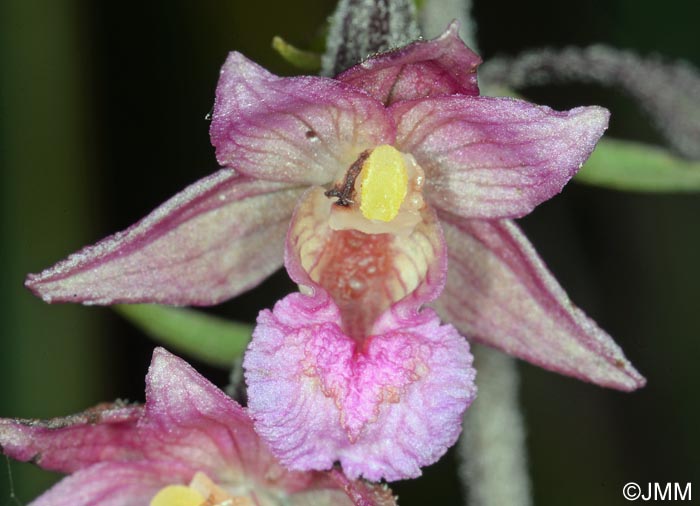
(102, 118)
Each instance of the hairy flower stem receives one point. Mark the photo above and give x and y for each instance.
(360, 28)
(492, 447)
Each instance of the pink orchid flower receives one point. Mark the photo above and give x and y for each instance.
(189, 445)
(484, 161)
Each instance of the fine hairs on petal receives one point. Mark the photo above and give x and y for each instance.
(301, 130)
(210, 242)
(495, 158)
(500, 293)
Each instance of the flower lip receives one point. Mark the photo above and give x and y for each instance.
(383, 408)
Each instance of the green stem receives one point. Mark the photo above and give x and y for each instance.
(208, 338)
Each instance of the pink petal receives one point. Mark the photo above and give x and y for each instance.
(110, 484)
(300, 129)
(217, 238)
(365, 274)
(186, 421)
(384, 408)
(442, 66)
(68, 444)
(500, 293)
(495, 157)
(197, 423)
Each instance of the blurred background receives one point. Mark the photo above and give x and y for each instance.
(102, 108)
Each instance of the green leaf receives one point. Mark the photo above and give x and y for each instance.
(208, 338)
(304, 60)
(633, 166)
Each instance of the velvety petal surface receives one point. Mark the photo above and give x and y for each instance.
(186, 421)
(442, 66)
(109, 484)
(105, 432)
(500, 293)
(217, 238)
(297, 129)
(383, 408)
(495, 157)
(193, 421)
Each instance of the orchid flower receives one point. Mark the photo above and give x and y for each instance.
(189, 445)
(484, 161)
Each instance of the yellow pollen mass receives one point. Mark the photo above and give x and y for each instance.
(177, 495)
(383, 184)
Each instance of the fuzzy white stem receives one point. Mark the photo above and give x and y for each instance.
(492, 448)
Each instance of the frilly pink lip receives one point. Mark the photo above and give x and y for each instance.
(383, 408)
(120, 454)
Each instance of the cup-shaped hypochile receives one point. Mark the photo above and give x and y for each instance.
(365, 274)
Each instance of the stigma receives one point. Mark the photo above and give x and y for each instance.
(383, 184)
(380, 193)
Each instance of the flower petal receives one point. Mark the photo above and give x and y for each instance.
(110, 484)
(500, 293)
(68, 444)
(299, 129)
(384, 408)
(217, 238)
(193, 421)
(495, 157)
(365, 274)
(186, 420)
(442, 66)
